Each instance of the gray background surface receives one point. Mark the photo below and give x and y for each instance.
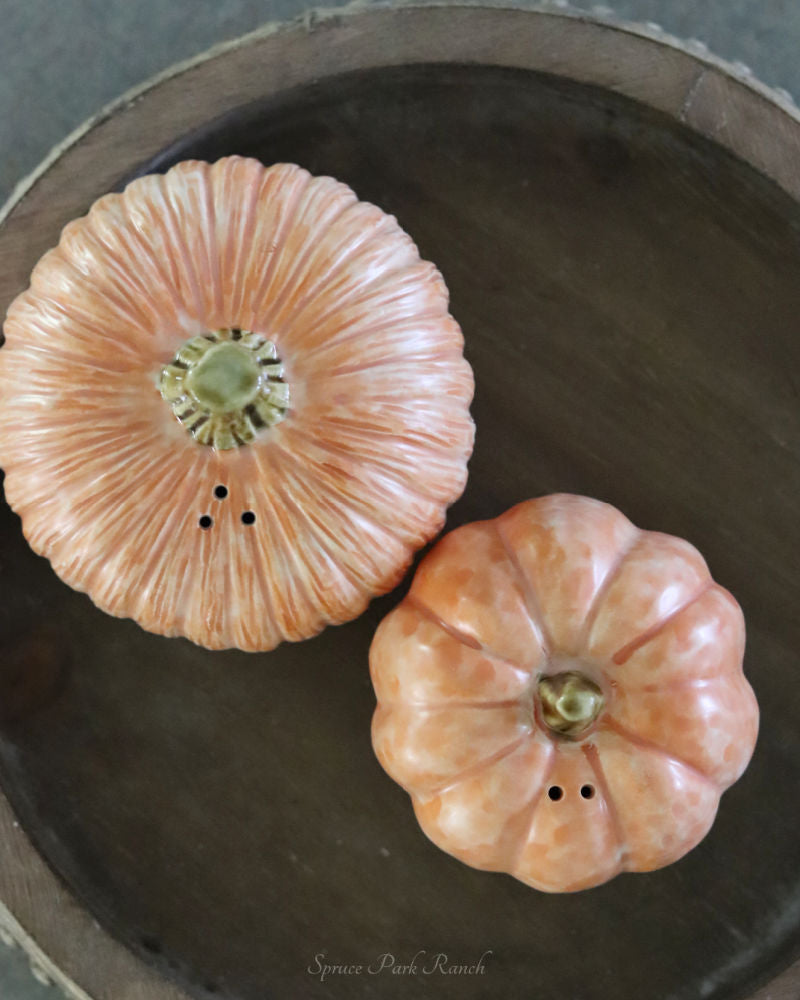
(62, 60)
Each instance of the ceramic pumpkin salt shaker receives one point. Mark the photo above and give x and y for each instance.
(233, 403)
(562, 694)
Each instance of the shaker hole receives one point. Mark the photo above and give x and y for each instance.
(205, 522)
(248, 517)
(587, 791)
(555, 792)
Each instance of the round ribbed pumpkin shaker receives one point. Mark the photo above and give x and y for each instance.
(562, 694)
(233, 403)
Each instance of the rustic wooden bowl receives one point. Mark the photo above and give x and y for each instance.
(617, 218)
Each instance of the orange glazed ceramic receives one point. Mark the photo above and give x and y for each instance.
(233, 403)
(562, 694)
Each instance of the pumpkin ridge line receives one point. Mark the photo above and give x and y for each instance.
(338, 338)
(437, 705)
(625, 652)
(285, 222)
(533, 608)
(347, 500)
(289, 553)
(91, 234)
(261, 573)
(121, 300)
(314, 528)
(602, 591)
(189, 479)
(609, 722)
(132, 239)
(173, 230)
(43, 354)
(297, 274)
(109, 448)
(419, 436)
(137, 468)
(593, 757)
(162, 263)
(311, 292)
(237, 629)
(86, 324)
(305, 587)
(382, 228)
(212, 616)
(531, 808)
(392, 475)
(212, 238)
(342, 504)
(408, 361)
(325, 539)
(234, 250)
(169, 528)
(463, 637)
(681, 683)
(89, 522)
(481, 765)
(249, 250)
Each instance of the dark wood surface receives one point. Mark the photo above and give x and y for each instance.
(629, 296)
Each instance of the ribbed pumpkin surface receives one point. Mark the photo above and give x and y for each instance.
(321, 511)
(558, 585)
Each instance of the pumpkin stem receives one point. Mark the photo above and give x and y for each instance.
(225, 386)
(570, 703)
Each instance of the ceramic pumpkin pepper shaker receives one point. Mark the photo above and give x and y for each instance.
(233, 403)
(562, 694)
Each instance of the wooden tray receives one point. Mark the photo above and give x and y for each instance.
(617, 218)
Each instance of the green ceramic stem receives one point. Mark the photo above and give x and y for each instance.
(570, 703)
(224, 379)
(225, 387)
